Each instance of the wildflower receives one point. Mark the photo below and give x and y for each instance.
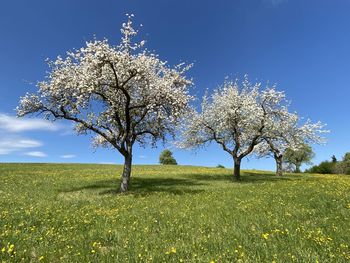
(41, 258)
(11, 249)
(265, 236)
(172, 250)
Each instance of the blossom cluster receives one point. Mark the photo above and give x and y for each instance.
(122, 93)
(244, 118)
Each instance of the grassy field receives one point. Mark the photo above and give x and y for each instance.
(72, 213)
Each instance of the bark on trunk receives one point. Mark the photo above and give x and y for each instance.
(237, 169)
(279, 160)
(125, 179)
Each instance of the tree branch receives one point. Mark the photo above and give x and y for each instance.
(224, 147)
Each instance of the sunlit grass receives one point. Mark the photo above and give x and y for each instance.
(72, 213)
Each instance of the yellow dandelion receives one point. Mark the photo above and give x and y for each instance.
(265, 236)
(11, 248)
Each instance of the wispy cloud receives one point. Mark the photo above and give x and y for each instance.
(36, 154)
(68, 156)
(143, 157)
(14, 144)
(13, 124)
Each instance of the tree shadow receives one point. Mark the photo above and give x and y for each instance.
(190, 183)
(143, 186)
(207, 177)
(246, 177)
(262, 177)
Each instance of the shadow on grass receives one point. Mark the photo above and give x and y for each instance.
(188, 184)
(246, 177)
(262, 177)
(143, 186)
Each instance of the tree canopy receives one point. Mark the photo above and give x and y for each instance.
(121, 93)
(236, 116)
(166, 157)
(296, 157)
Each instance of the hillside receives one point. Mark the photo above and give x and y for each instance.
(72, 213)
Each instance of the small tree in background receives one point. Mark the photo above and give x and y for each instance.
(343, 167)
(166, 157)
(334, 159)
(297, 157)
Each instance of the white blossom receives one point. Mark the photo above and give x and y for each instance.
(236, 116)
(285, 132)
(124, 93)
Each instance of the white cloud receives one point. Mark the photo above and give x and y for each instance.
(13, 124)
(36, 154)
(67, 156)
(143, 157)
(9, 145)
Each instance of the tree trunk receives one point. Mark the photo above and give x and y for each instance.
(125, 179)
(297, 168)
(237, 169)
(279, 169)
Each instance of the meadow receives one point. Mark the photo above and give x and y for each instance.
(73, 213)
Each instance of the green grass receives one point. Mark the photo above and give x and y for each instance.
(72, 213)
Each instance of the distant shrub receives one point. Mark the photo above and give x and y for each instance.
(343, 167)
(332, 167)
(166, 157)
(220, 166)
(324, 167)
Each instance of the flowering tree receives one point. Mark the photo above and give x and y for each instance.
(286, 135)
(123, 94)
(236, 116)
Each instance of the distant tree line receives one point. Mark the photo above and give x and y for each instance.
(333, 166)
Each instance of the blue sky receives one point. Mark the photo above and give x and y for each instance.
(303, 46)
